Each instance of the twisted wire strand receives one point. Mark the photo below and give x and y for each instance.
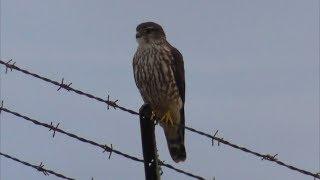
(67, 87)
(263, 156)
(37, 167)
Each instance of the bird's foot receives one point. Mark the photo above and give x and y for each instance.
(154, 117)
(167, 119)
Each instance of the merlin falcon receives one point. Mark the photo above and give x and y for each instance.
(159, 75)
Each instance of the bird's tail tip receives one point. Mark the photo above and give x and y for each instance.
(178, 152)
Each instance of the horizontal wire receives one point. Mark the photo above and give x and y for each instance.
(40, 167)
(102, 146)
(268, 157)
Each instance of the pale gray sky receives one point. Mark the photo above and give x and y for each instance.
(252, 71)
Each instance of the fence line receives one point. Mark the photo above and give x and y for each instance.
(104, 147)
(11, 65)
(40, 167)
(67, 87)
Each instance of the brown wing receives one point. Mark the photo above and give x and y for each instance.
(177, 66)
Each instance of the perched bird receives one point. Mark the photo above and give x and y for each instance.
(159, 75)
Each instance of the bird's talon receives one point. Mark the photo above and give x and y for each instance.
(153, 115)
(167, 119)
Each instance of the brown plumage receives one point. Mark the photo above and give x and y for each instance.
(159, 75)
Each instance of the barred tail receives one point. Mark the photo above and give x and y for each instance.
(175, 139)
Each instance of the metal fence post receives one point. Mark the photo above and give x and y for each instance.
(149, 149)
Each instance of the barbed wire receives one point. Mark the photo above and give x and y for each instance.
(39, 167)
(11, 65)
(67, 87)
(268, 157)
(104, 147)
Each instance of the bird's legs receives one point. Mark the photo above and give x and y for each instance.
(153, 115)
(167, 118)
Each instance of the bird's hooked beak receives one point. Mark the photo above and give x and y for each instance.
(138, 35)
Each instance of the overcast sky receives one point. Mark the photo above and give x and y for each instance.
(252, 72)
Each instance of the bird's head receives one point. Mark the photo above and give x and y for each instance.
(149, 32)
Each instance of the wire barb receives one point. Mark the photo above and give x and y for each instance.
(41, 169)
(53, 128)
(105, 148)
(270, 157)
(111, 149)
(213, 138)
(111, 103)
(9, 66)
(64, 86)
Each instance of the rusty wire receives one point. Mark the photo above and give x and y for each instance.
(104, 147)
(39, 167)
(268, 157)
